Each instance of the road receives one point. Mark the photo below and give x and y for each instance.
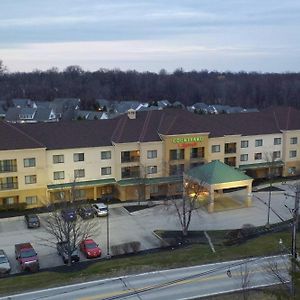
(175, 284)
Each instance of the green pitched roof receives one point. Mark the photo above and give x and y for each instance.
(216, 172)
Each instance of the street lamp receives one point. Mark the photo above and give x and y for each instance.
(107, 230)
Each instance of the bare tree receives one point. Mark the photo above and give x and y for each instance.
(245, 275)
(62, 230)
(190, 202)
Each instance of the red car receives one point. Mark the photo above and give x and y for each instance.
(90, 248)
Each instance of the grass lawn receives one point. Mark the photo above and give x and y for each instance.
(190, 255)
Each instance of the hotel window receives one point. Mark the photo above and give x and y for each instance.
(58, 159)
(151, 170)
(79, 194)
(293, 140)
(176, 154)
(30, 179)
(197, 152)
(59, 175)
(258, 156)
(292, 170)
(151, 154)
(105, 154)
(244, 144)
(8, 165)
(154, 189)
(29, 162)
(276, 154)
(277, 141)
(79, 173)
(59, 196)
(176, 169)
(8, 200)
(106, 171)
(258, 143)
(293, 153)
(31, 200)
(215, 148)
(244, 157)
(78, 157)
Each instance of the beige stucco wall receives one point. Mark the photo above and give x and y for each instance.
(92, 164)
(291, 162)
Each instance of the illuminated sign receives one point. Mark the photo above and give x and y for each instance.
(192, 139)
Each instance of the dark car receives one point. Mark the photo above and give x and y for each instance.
(69, 214)
(86, 212)
(63, 252)
(32, 221)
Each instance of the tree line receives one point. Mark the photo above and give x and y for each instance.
(211, 87)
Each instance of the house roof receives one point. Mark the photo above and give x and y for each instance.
(150, 125)
(216, 172)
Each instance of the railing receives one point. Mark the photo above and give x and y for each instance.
(130, 175)
(196, 155)
(130, 159)
(8, 186)
(8, 169)
(230, 150)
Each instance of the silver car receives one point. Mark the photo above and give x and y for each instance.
(4, 263)
(100, 209)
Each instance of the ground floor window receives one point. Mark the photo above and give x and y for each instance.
(153, 189)
(58, 196)
(79, 194)
(8, 200)
(106, 190)
(292, 170)
(31, 200)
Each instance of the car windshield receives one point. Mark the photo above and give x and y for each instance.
(3, 260)
(27, 253)
(103, 209)
(33, 219)
(91, 246)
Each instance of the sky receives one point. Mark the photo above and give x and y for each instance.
(150, 35)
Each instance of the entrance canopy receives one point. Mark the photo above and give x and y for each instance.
(217, 176)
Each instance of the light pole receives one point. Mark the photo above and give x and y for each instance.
(107, 230)
(294, 234)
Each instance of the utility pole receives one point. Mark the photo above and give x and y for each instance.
(294, 236)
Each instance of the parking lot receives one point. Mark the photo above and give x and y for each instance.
(139, 226)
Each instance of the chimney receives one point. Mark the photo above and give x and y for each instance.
(131, 113)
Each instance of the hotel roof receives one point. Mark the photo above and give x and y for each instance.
(147, 127)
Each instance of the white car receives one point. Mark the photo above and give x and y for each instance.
(4, 263)
(100, 209)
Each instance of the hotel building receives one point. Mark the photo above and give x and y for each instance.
(140, 155)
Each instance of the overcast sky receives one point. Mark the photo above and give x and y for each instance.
(148, 35)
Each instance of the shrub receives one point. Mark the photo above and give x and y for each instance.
(13, 207)
(135, 246)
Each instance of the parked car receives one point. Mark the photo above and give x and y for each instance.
(69, 214)
(100, 209)
(27, 257)
(62, 251)
(4, 263)
(86, 212)
(32, 221)
(90, 248)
